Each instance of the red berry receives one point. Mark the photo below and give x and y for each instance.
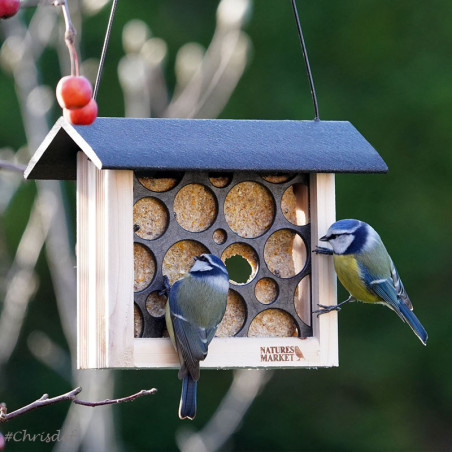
(73, 91)
(8, 8)
(82, 116)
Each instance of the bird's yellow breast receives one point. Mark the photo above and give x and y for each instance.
(349, 275)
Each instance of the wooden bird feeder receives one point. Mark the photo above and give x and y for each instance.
(154, 193)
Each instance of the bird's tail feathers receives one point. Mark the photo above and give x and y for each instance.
(407, 315)
(187, 406)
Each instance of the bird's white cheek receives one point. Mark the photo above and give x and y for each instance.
(341, 243)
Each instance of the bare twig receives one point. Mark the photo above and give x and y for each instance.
(130, 398)
(71, 396)
(85, 425)
(69, 36)
(4, 164)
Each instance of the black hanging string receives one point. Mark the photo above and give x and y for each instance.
(306, 61)
(300, 34)
(104, 49)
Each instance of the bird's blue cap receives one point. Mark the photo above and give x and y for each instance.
(348, 224)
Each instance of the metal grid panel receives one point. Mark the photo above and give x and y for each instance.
(153, 326)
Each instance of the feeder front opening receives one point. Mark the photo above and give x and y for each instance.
(257, 224)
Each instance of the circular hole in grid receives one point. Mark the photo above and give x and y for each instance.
(156, 304)
(302, 300)
(220, 236)
(285, 253)
(137, 321)
(249, 209)
(159, 182)
(266, 290)
(242, 263)
(273, 323)
(150, 218)
(144, 267)
(180, 258)
(234, 317)
(220, 180)
(295, 204)
(277, 178)
(195, 207)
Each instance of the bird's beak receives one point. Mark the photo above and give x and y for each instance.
(324, 239)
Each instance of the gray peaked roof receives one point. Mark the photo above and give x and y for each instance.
(205, 145)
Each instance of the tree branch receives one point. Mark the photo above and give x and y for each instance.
(69, 36)
(72, 396)
(129, 398)
(4, 164)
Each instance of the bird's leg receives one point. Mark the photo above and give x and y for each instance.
(166, 287)
(323, 250)
(336, 307)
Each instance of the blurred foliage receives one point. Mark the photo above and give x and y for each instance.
(382, 65)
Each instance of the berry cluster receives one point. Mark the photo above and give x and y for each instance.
(74, 92)
(8, 8)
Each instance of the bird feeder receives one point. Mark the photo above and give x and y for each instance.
(154, 193)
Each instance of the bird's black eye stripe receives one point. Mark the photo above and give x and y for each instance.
(335, 236)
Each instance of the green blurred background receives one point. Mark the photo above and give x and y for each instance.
(384, 66)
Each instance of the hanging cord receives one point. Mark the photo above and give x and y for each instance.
(306, 61)
(104, 49)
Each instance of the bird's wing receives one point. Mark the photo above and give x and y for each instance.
(380, 285)
(388, 287)
(210, 333)
(191, 340)
(384, 288)
(401, 293)
(384, 281)
(391, 290)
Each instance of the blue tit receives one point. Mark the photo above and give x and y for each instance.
(366, 270)
(196, 306)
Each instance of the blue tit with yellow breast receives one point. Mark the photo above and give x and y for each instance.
(196, 306)
(366, 270)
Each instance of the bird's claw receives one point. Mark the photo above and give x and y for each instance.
(323, 250)
(324, 309)
(166, 287)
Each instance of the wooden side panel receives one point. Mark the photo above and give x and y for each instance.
(104, 266)
(86, 259)
(98, 302)
(323, 214)
(120, 268)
